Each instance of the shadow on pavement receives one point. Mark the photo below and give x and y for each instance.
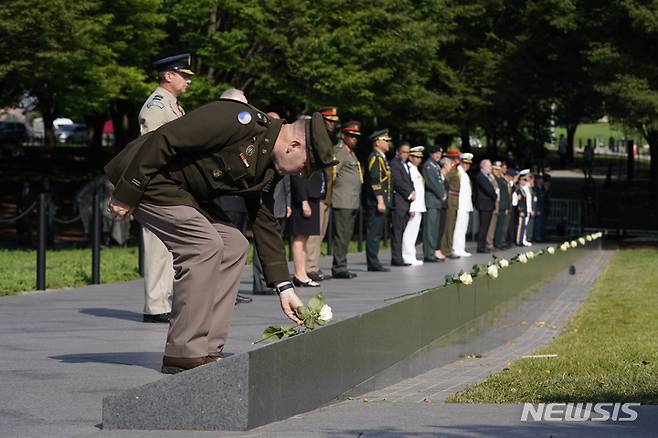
(112, 313)
(152, 360)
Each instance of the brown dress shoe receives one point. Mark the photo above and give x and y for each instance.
(174, 365)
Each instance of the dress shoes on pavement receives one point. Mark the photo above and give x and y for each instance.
(241, 299)
(484, 251)
(162, 318)
(400, 264)
(174, 365)
(308, 283)
(345, 275)
(454, 256)
(378, 269)
(317, 276)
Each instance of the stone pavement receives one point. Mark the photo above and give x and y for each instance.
(61, 352)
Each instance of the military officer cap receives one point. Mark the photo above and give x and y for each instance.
(524, 172)
(351, 128)
(318, 145)
(329, 113)
(496, 165)
(177, 63)
(466, 157)
(433, 149)
(512, 172)
(417, 151)
(452, 152)
(382, 134)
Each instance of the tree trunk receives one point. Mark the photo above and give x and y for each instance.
(465, 140)
(571, 135)
(95, 121)
(652, 139)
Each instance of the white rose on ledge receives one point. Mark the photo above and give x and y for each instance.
(564, 246)
(325, 313)
(523, 258)
(466, 278)
(581, 240)
(503, 263)
(574, 244)
(550, 250)
(492, 271)
(589, 238)
(530, 255)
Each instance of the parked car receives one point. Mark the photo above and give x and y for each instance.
(12, 133)
(74, 133)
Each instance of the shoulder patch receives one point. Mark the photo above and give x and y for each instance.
(158, 97)
(244, 117)
(155, 103)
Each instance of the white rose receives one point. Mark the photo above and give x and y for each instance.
(551, 250)
(581, 240)
(589, 238)
(325, 313)
(523, 258)
(466, 278)
(503, 263)
(492, 271)
(564, 246)
(530, 255)
(574, 244)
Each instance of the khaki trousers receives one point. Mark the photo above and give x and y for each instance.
(208, 260)
(491, 232)
(158, 274)
(314, 243)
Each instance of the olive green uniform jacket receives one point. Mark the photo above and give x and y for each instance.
(221, 148)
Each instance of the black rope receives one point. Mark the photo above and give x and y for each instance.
(19, 216)
(66, 221)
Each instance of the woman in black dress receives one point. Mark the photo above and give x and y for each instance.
(306, 195)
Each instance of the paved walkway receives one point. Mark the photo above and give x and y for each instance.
(61, 352)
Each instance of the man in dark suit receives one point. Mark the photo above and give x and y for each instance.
(485, 202)
(403, 195)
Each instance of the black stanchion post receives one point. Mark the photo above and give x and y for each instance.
(96, 239)
(140, 239)
(42, 239)
(359, 242)
(330, 231)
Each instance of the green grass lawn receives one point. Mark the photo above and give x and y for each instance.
(72, 267)
(607, 353)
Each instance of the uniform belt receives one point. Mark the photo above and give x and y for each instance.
(453, 193)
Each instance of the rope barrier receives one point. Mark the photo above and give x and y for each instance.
(66, 221)
(19, 216)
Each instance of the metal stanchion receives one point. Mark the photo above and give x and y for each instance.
(42, 239)
(96, 239)
(140, 239)
(359, 242)
(330, 231)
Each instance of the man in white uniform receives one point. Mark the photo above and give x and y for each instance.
(465, 206)
(416, 208)
(161, 107)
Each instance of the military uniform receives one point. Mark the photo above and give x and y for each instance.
(314, 242)
(172, 175)
(454, 183)
(161, 107)
(378, 184)
(346, 199)
(504, 212)
(435, 195)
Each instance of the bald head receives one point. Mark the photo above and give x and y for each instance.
(485, 166)
(289, 152)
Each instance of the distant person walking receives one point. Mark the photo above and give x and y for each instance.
(588, 158)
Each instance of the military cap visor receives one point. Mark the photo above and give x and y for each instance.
(329, 113)
(382, 134)
(319, 149)
(177, 63)
(352, 128)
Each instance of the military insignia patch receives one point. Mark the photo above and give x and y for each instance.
(244, 117)
(155, 103)
(250, 150)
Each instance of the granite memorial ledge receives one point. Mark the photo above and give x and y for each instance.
(302, 373)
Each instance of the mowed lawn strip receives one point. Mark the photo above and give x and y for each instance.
(72, 267)
(607, 353)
